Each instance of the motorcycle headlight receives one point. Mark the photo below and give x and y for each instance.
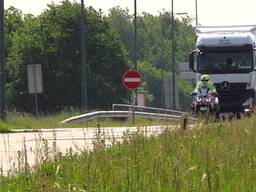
(248, 102)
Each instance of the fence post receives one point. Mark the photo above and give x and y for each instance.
(184, 122)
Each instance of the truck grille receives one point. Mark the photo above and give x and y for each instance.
(233, 96)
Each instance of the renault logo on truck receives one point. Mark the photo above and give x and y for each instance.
(225, 86)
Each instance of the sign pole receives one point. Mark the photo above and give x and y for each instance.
(36, 105)
(133, 107)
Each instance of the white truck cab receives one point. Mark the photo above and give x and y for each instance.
(227, 55)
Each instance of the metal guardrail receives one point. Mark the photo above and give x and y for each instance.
(122, 114)
(147, 109)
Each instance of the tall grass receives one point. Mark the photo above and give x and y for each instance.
(210, 157)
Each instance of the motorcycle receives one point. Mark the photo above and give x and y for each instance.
(205, 103)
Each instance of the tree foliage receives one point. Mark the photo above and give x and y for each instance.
(155, 46)
(53, 40)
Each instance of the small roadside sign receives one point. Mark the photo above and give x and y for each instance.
(132, 79)
(35, 83)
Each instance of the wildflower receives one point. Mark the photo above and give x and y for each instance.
(203, 177)
(56, 185)
(246, 131)
(191, 168)
(57, 170)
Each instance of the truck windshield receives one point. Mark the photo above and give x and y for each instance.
(225, 62)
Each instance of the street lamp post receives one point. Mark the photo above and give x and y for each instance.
(135, 46)
(135, 35)
(196, 13)
(173, 61)
(83, 59)
(2, 67)
(162, 69)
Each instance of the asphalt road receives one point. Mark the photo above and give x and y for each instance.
(48, 142)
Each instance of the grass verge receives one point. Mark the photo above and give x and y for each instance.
(211, 157)
(30, 122)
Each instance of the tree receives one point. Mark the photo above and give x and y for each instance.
(155, 45)
(121, 21)
(53, 39)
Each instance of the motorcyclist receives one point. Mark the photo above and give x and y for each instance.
(205, 83)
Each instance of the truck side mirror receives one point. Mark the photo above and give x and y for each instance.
(191, 60)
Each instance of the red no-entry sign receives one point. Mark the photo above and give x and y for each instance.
(132, 79)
